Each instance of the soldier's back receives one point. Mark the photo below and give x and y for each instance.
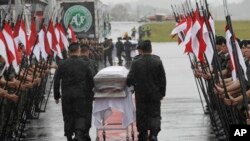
(146, 69)
(91, 64)
(73, 72)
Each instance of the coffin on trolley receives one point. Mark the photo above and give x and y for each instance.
(112, 96)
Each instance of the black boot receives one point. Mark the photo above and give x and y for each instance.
(153, 134)
(69, 138)
(153, 138)
(79, 136)
(143, 136)
(87, 137)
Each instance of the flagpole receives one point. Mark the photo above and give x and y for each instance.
(28, 105)
(6, 84)
(236, 54)
(5, 126)
(220, 105)
(196, 79)
(23, 79)
(35, 70)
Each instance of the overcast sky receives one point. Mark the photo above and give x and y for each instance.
(236, 10)
(161, 3)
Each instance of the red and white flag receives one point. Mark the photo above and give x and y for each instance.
(52, 40)
(212, 25)
(16, 28)
(3, 51)
(202, 42)
(23, 38)
(241, 59)
(230, 50)
(179, 30)
(41, 44)
(7, 32)
(32, 39)
(180, 27)
(209, 47)
(195, 29)
(16, 31)
(33, 33)
(46, 42)
(59, 37)
(208, 29)
(188, 38)
(239, 53)
(71, 34)
(63, 37)
(37, 51)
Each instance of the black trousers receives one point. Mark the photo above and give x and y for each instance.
(77, 114)
(119, 56)
(148, 116)
(109, 57)
(128, 57)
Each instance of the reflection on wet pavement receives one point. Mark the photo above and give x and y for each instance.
(182, 115)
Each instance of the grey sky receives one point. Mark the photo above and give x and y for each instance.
(162, 3)
(117, 1)
(236, 9)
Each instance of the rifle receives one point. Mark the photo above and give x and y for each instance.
(224, 111)
(235, 54)
(30, 103)
(15, 106)
(197, 81)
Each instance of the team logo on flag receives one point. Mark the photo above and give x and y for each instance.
(79, 17)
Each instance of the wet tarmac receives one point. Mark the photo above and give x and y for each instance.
(183, 118)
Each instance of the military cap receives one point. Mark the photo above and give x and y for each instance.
(73, 47)
(146, 46)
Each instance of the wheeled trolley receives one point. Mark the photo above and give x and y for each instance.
(111, 97)
(114, 114)
(113, 125)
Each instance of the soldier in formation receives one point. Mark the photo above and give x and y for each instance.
(107, 51)
(119, 50)
(21, 94)
(225, 102)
